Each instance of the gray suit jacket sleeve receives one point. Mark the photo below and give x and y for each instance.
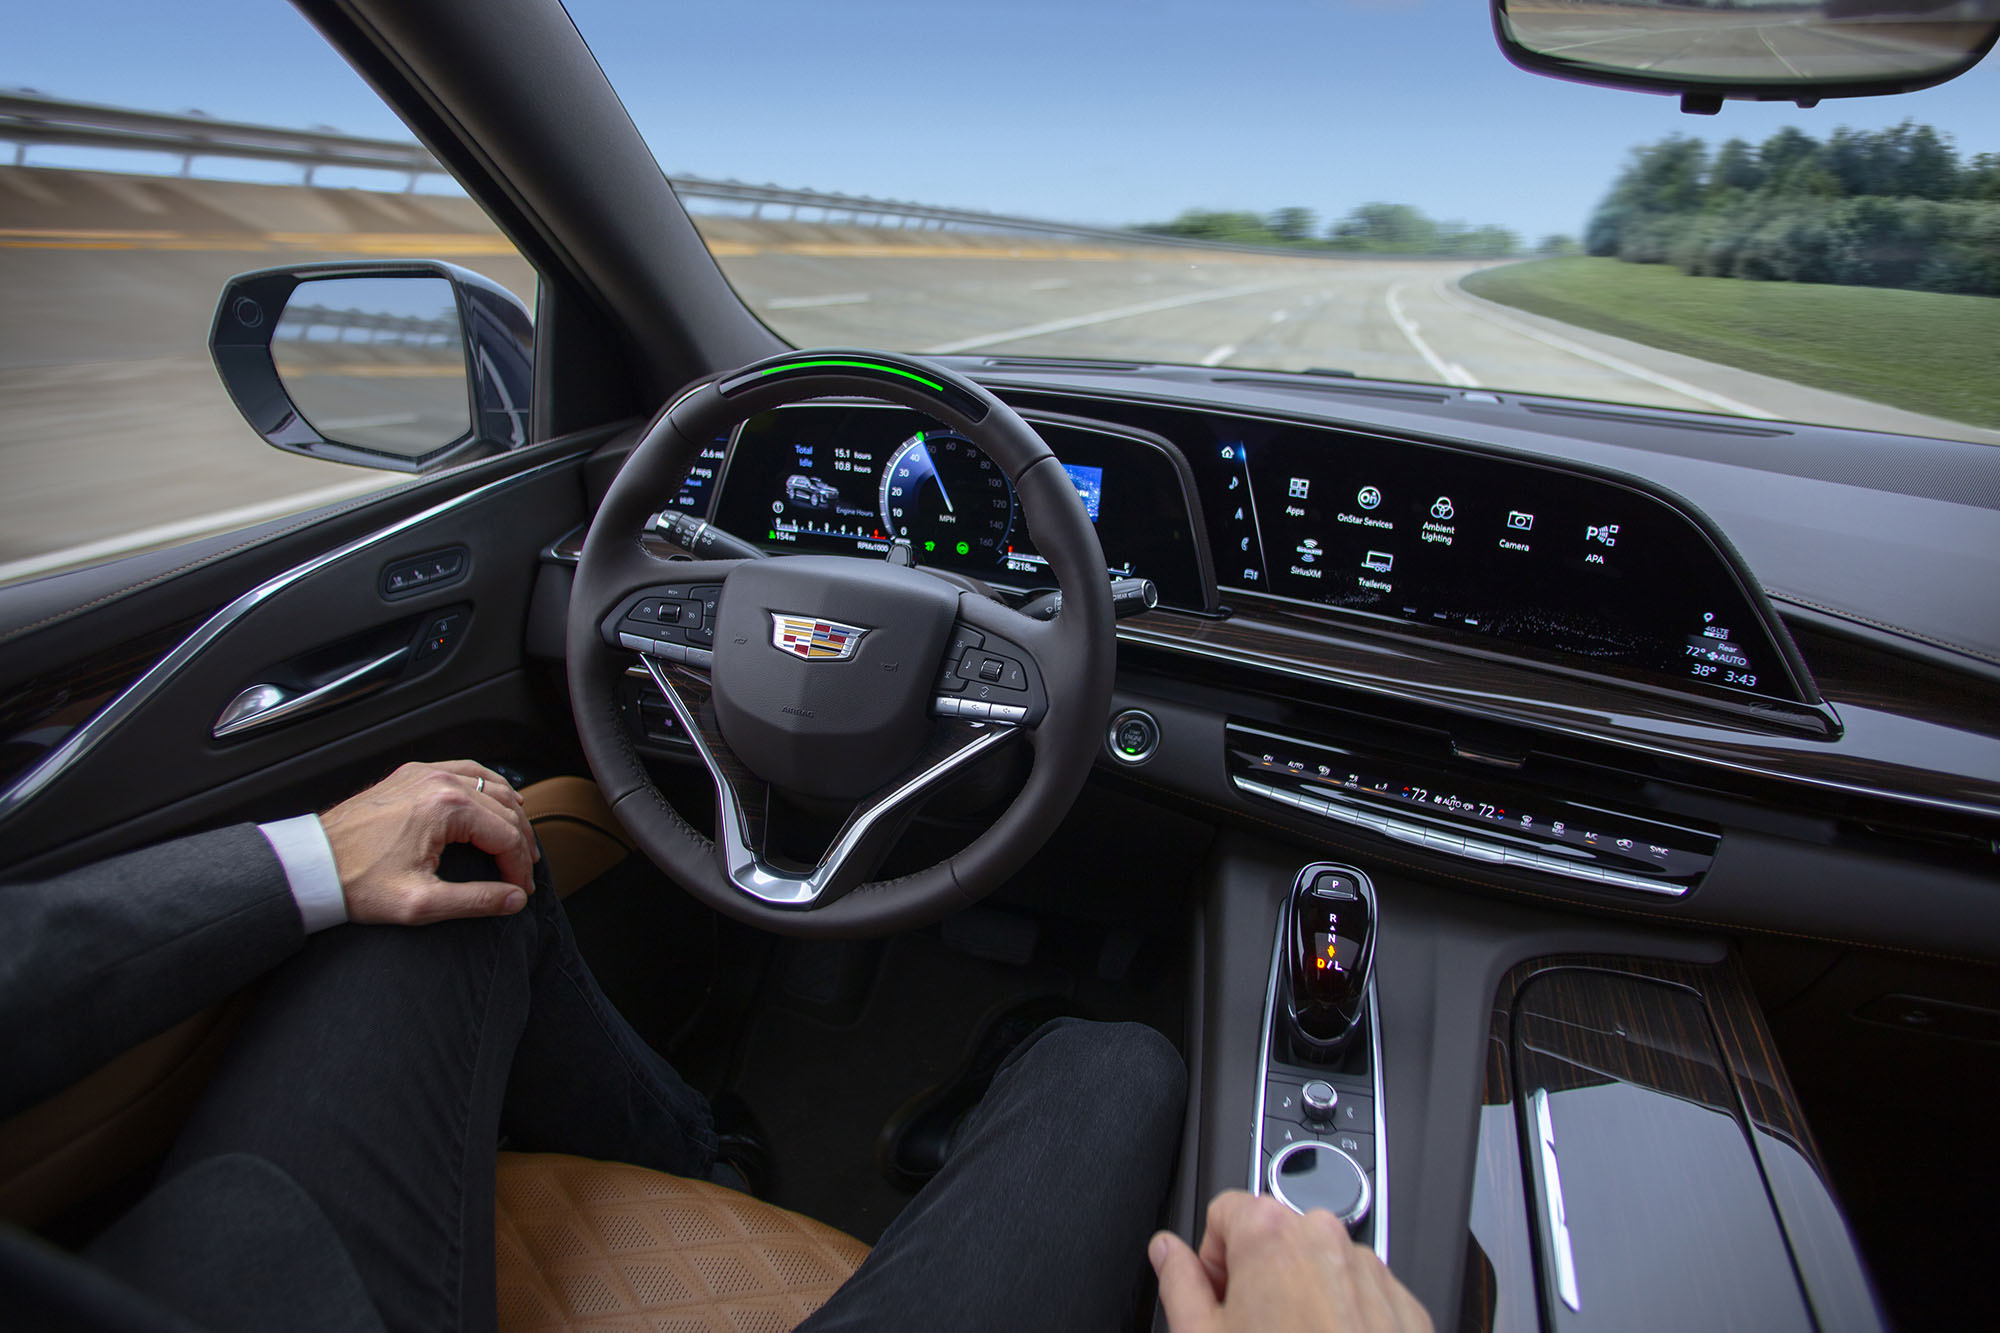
(95, 961)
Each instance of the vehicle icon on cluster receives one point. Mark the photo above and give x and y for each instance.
(810, 491)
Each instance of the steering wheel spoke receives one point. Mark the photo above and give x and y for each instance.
(743, 799)
(992, 670)
(674, 622)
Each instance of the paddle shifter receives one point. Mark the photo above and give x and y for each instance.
(1328, 949)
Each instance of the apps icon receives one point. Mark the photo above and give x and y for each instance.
(1368, 497)
(1441, 508)
(1300, 485)
(1517, 519)
(1379, 561)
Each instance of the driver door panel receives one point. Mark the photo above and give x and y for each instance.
(168, 656)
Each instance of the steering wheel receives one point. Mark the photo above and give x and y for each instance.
(861, 682)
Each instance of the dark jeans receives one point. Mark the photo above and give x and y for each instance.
(365, 1098)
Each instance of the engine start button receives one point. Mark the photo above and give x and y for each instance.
(1133, 736)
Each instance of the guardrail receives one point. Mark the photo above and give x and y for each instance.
(27, 120)
(383, 330)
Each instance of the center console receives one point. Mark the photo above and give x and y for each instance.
(1588, 1122)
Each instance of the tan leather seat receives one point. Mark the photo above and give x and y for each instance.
(602, 1246)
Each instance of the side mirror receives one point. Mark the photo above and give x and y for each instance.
(1752, 50)
(407, 365)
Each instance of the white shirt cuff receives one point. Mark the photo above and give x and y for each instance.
(307, 857)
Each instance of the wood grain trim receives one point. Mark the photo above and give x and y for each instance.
(39, 713)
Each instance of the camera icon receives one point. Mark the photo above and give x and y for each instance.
(1517, 519)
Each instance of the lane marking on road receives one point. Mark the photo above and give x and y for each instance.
(1219, 355)
(814, 302)
(1462, 300)
(1449, 372)
(1765, 38)
(126, 543)
(1104, 317)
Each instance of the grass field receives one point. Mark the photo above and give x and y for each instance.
(1920, 351)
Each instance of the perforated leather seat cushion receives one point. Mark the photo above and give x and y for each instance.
(601, 1246)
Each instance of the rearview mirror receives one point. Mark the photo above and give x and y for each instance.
(410, 366)
(1755, 50)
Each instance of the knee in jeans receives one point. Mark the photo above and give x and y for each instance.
(1137, 1062)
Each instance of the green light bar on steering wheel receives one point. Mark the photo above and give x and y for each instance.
(949, 394)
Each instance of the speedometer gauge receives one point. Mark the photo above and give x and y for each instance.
(947, 498)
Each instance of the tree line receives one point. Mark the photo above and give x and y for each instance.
(1889, 208)
(1372, 229)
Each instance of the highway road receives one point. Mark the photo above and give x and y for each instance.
(115, 434)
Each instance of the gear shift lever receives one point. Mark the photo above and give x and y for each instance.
(1329, 950)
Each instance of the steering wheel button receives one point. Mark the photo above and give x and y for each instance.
(974, 708)
(1012, 677)
(990, 668)
(636, 643)
(945, 707)
(1006, 713)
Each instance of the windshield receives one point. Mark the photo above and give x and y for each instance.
(1363, 188)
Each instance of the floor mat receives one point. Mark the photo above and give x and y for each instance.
(824, 1077)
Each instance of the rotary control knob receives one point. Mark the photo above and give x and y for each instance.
(1319, 1099)
(1313, 1175)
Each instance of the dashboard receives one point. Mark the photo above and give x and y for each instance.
(1515, 557)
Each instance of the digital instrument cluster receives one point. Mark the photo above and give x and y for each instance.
(1512, 555)
(852, 478)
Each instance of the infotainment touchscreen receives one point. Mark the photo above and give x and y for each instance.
(1518, 554)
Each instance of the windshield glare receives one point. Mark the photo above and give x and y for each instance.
(1354, 188)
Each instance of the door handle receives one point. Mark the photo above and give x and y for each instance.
(265, 705)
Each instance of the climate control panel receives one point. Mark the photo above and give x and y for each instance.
(1488, 819)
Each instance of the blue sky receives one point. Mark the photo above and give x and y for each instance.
(1107, 111)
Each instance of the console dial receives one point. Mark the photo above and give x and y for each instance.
(951, 501)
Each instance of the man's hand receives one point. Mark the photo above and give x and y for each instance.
(1264, 1267)
(386, 842)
